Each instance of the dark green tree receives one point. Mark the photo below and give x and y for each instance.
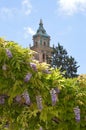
(66, 63)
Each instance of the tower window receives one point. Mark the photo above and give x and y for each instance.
(43, 57)
(36, 43)
(44, 43)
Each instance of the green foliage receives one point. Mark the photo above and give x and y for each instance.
(61, 60)
(18, 113)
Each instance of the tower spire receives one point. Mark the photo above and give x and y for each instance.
(41, 23)
(41, 44)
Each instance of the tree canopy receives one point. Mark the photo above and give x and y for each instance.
(67, 64)
(36, 97)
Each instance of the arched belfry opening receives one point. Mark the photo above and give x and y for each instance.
(41, 43)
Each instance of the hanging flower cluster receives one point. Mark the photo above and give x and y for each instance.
(33, 66)
(39, 102)
(77, 113)
(27, 101)
(2, 100)
(26, 97)
(18, 98)
(53, 96)
(27, 77)
(9, 54)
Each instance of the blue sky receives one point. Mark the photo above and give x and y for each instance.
(64, 21)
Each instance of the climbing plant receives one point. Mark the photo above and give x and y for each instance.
(34, 96)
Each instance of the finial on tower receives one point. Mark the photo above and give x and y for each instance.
(41, 23)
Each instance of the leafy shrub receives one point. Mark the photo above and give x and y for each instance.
(34, 96)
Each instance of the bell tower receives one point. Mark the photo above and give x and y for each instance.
(41, 44)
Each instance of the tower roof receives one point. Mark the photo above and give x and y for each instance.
(41, 31)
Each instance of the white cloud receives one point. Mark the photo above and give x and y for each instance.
(28, 31)
(70, 7)
(26, 6)
(7, 12)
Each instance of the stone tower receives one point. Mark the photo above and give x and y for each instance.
(41, 44)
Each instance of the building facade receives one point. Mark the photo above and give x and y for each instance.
(41, 44)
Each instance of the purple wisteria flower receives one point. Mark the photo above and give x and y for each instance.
(2, 100)
(9, 54)
(39, 102)
(33, 66)
(4, 67)
(27, 77)
(26, 97)
(53, 96)
(77, 113)
(18, 99)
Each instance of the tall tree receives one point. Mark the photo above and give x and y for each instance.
(67, 64)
